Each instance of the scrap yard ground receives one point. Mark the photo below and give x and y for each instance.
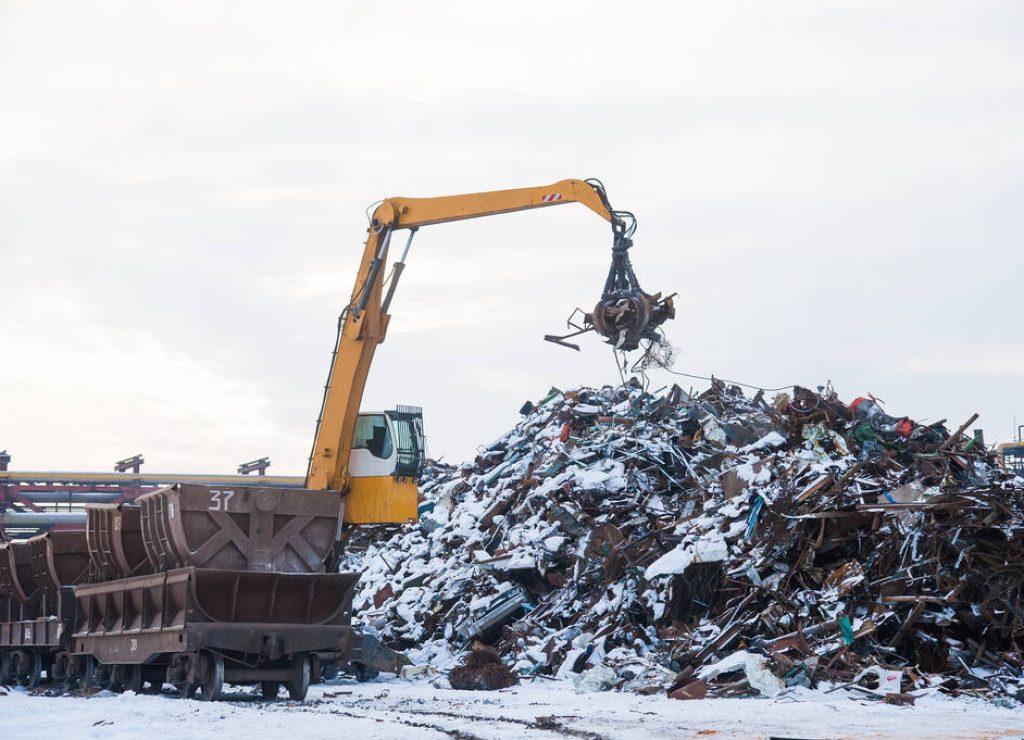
(538, 709)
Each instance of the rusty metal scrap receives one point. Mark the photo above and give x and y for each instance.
(737, 544)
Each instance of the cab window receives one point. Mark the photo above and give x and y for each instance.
(372, 434)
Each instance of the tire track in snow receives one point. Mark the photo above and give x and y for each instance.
(545, 723)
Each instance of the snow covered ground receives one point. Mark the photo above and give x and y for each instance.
(541, 709)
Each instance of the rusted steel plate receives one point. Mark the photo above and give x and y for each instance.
(19, 630)
(17, 578)
(277, 598)
(59, 558)
(145, 603)
(269, 641)
(42, 632)
(270, 614)
(114, 536)
(258, 529)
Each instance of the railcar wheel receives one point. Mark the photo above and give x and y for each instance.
(72, 667)
(34, 674)
(270, 689)
(180, 675)
(298, 685)
(212, 683)
(329, 670)
(103, 676)
(59, 668)
(117, 677)
(133, 678)
(87, 677)
(363, 672)
(6, 672)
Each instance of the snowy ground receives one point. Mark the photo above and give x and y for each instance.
(401, 709)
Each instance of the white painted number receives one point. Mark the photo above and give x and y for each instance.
(219, 500)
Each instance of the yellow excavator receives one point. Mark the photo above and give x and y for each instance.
(375, 458)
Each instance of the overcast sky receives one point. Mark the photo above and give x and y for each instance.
(834, 189)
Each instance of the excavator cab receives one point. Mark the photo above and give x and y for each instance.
(1011, 454)
(388, 448)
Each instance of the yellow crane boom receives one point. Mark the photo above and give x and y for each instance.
(366, 318)
(356, 453)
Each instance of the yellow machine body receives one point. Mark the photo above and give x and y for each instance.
(381, 499)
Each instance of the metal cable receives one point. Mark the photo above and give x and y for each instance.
(726, 380)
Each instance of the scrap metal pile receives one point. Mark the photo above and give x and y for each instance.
(717, 544)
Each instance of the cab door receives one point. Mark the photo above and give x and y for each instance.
(387, 454)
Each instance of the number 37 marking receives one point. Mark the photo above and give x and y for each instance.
(219, 500)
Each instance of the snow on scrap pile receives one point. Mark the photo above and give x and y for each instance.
(716, 544)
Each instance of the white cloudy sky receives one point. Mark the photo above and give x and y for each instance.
(834, 188)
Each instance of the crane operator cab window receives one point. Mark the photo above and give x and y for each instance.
(1012, 457)
(387, 455)
(389, 443)
(373, 434)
